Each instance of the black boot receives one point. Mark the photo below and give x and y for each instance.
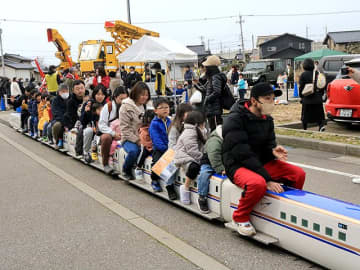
(171, 192)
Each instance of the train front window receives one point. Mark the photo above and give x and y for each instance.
(293, 219)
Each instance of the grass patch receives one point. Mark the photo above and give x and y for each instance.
(319, 136)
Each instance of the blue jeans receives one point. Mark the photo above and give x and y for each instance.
(33, 125)
(132, 150)
(242, 93)
(203, 180)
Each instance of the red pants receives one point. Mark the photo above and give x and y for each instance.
(255, 185)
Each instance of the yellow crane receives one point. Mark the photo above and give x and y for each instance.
(63, 53)
(99, 53)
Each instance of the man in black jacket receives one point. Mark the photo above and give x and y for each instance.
(58, 108)
(131, 78)
(73, 105)
(251, 157)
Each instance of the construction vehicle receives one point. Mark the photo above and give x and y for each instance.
(100, 53)
(63, 53)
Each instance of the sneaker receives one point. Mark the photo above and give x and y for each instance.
(125, 176)
(171, 192)
(245, 228)
(94, 156)
(87, 158)
(156, 186)
(60, 144)
(184, 195)
(108, 169)
(356, 180)
(51, 142)
(31, 134)
(139, 174)
(203, 205)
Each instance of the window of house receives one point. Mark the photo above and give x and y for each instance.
(291, 44)
(302, 46)
(271, 49)
(293, 219)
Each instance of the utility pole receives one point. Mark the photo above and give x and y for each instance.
(209, 43)
(307, 31)
(128, 11)
(2, 54)
(240, 22)
(253, 42)
(202, 38)
(221, 47)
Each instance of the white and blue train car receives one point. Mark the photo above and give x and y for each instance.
(320, 229)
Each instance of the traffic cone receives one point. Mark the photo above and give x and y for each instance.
(2, 104)
(296, 91)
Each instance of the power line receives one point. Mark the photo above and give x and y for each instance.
(190, 20)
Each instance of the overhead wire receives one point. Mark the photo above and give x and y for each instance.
(191, 20)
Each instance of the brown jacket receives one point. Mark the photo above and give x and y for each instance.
(130, 120)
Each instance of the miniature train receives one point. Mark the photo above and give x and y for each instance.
(320, 229)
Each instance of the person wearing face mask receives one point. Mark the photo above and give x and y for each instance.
(58, 108)
(252, 159)
(132, 78)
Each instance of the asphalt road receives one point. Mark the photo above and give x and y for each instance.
(48, 224)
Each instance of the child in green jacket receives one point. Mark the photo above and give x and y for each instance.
(211, 163)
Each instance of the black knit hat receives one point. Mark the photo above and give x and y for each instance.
(264, 89)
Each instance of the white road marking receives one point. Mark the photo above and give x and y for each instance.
(324, 170)
(185, 250)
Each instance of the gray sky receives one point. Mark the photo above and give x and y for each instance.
(29, 39)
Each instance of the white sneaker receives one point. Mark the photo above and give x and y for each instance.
(356, 180)
(139, 174)
(245, 228)
(184, 195)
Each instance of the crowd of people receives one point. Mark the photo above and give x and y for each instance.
(110, 113)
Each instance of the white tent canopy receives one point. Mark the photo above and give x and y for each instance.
(151, 49)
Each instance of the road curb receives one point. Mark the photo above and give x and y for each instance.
(334, 147)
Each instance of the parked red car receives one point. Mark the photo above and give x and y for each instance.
(343, 98)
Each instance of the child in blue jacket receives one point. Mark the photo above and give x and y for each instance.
(33, 109)
(159, 129)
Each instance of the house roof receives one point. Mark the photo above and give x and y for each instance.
(198, 49)
(287, 34)
(17, 65)
(261, 39)
(343, 37)
(17, 57)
